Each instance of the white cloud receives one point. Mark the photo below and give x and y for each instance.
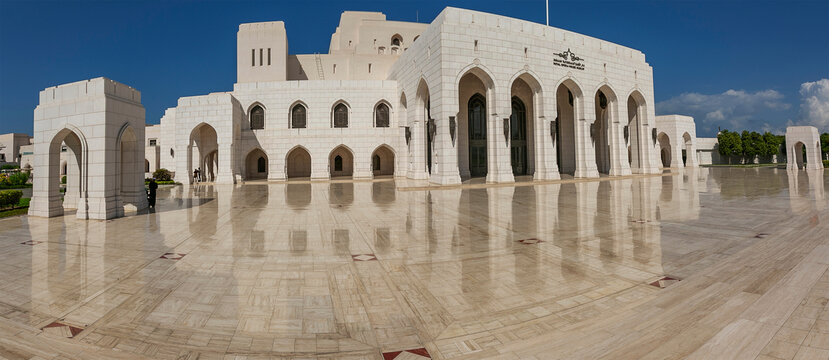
(733, 109)
(814, 104)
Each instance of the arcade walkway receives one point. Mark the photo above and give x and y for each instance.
(703, 264)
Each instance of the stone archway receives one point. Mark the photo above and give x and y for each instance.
(606, 150)
(382, 161)
(72, 167)
(203, 153)
(298, 163)
(475, 97)
(568, 105)
(633, 135)
(341, 162)
(525, 91)
(664, 149)
(687, 150)
(256, 165)
(130, 181)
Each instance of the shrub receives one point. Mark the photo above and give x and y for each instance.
(826, 163)
(9, 198)
(63, 179)
(10, 166)
(19, 178)
(162, 175)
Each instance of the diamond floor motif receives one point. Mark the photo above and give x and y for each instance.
(61, 330)
(664, 282)
(363, 257)
(530, 241)
(413, 354)
(172, 256)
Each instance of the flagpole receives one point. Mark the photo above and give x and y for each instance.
(548, 12)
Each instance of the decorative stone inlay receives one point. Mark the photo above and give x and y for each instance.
(664, 282)
(363, 257)
(413, 354)
(31, 242)
(530, 241)
(62, 330)
(172, 256)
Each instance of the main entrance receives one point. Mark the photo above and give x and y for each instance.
(477, 136)
(518, 137)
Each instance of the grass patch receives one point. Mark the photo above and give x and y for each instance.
(22, 208)
(13, 212)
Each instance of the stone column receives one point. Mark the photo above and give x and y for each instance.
(224, 172)
(417, 146)
(361, 164)
(277, 166)
(585, 116)
(499, 168)
(619, 162)
(546, 166)
(444, 152)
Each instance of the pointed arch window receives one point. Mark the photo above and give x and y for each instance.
(298, 117)
(340, 116)
(381, 115)
(338, 163)
(257, 118)
(260, 165)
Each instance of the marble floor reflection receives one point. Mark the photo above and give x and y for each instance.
(692, 264)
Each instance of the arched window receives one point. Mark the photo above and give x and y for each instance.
(338, 163)
(257, 118)
(340, 116)
(260, 165)
(375, 162)
(396, 40)
(298, 117)
(381, 115)
(146, 165)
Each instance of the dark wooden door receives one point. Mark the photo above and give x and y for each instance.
(477, 136)
(518, 137)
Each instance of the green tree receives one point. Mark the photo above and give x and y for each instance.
(752, 145)
(771, 145)
(824, 145)
(729, 144)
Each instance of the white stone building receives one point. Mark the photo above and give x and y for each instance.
(469, 95)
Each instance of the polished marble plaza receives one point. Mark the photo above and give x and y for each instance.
(701, 264)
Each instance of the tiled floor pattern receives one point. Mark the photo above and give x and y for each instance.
(308, 271)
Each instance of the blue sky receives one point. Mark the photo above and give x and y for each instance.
(755, 65)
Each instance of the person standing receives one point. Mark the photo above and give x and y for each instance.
(196, 175)
(151, 197)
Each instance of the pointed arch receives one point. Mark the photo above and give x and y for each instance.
(340, 114)
(569, 110)
(298, 115)
(256, 115)
(298, 162)
(382, 160)
(341, 161)
(382, 114)
(256, 164)
(606, 111)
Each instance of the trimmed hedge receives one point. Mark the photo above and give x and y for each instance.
(826, 163)
(10, 198)
(167, 182)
